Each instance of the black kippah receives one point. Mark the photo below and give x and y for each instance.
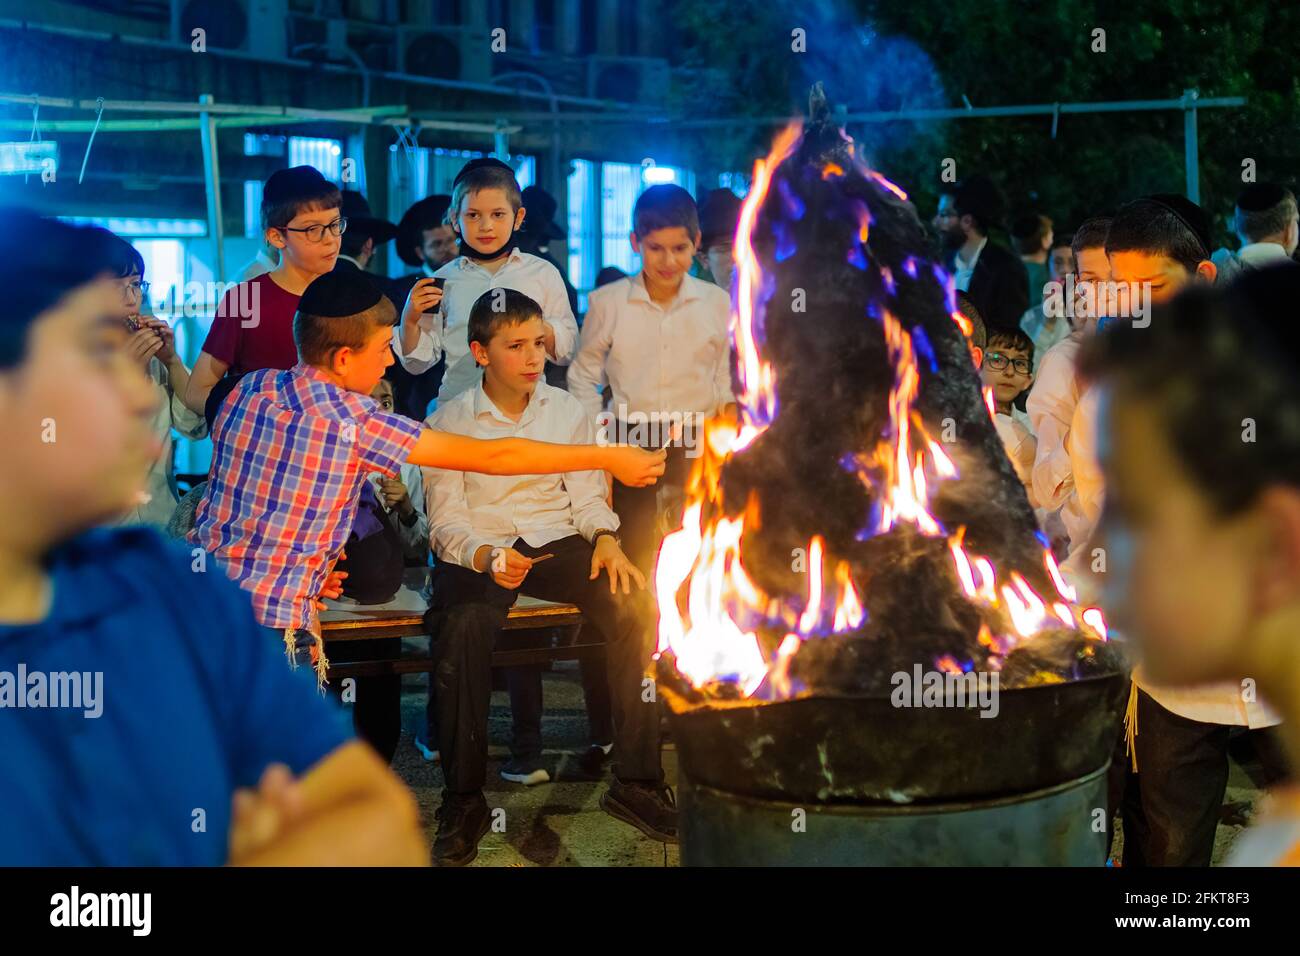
(1189, 214)
(337, 295)
(1259, 197)
(480, 163)
(292, 184)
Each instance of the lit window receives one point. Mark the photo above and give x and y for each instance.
(143, 228)
(253, 208)
(583, 229)
(325, 154)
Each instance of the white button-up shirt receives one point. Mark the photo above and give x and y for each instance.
(1051, 405)
(1260, 254)
(447, 330)
(467, 511)
(667, 360)
(963, 270)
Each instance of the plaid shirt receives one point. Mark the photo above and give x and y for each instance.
(290, 452)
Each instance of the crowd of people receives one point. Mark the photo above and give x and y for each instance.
(461, 418)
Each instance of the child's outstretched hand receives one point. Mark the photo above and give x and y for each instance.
(636, 467)
(424, 297)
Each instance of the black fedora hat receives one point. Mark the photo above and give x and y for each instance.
(356, 211)
(426, 213)
(540, 219)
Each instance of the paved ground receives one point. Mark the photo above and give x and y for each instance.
(561, 824)
(555, 824)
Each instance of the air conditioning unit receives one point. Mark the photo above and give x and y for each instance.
(629, 79)
(445, 53)
(259, 27)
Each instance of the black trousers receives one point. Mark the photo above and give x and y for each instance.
(524, 684)
(467, 612)
(638, 509)
(1170, 807)
(377, 703)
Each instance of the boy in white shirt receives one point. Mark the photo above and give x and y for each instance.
(486, 212)
(1055, 392)
(1007, 367)
(548, 536)
(660, 341)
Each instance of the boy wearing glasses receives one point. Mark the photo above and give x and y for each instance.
(151, 344)
(1007, 370)
(253, 326)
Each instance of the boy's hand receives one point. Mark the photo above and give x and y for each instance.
(636, 467)
(622, 572)
(333, 587)
(548, 339)
(165, 332)
(260, 816)
(143, 345)
(396, 496)
(424, 297)
(515, 567)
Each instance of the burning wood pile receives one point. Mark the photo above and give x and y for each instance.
(862, 517)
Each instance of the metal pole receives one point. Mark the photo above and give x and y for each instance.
(1190, 157)
(212, 182)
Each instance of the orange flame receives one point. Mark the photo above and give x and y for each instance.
(710, 607)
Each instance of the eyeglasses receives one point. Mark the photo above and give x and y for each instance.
(997, 361)
(316, 233)
(136, 288)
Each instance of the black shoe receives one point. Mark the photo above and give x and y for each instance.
(463, 820)
(649, 807)
(525, 770)
(590, 764)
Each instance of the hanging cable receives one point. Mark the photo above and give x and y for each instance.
(36, 125)
(99, 111)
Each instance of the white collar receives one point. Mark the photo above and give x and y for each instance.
(1254, 252)
(465, 262)
(483, 404)
(686, 292)
(975, 257)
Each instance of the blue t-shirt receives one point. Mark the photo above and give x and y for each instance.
(194, 702)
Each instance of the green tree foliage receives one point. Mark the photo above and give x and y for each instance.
(1009, 52)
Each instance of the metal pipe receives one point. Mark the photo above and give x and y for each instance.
(212, 184)
(160, 125)
(1038, 109)
(1190, 158)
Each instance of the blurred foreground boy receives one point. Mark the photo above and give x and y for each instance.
(144, 717)
(1204, 528)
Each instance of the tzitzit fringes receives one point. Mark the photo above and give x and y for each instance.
(290, 648)
(1131, 725)
(322, 663)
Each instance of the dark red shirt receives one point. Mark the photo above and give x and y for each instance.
(253, 327)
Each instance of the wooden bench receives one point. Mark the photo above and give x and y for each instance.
(530, 636)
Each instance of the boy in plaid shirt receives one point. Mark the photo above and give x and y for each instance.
(292, 448)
